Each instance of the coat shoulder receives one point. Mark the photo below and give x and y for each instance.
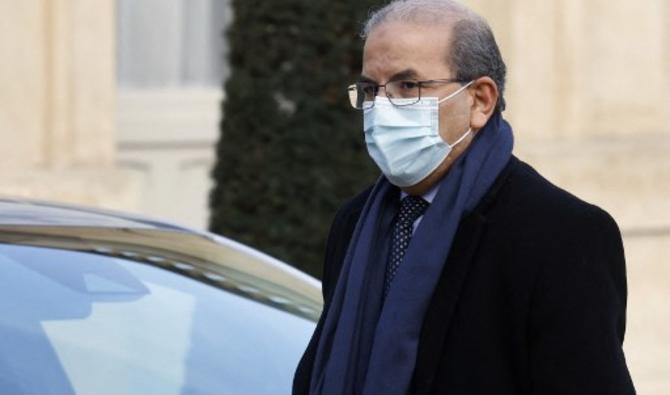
(532, 199)
(537, 227)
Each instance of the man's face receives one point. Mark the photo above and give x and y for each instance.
(407, 51)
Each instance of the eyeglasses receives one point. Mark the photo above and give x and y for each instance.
(362, 94)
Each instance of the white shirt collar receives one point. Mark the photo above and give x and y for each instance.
(429, 196)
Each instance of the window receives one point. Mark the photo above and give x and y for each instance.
(83, 323)
(171, 43)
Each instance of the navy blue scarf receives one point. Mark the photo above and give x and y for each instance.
(369, 347)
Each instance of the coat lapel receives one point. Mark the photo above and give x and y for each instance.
(440, 312)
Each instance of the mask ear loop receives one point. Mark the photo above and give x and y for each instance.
(464, 87)
(461, 138)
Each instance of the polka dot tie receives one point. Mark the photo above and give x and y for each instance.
(411, 208)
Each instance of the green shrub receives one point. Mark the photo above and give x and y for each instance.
(292, 149)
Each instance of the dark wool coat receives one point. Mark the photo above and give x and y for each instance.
(532, 299)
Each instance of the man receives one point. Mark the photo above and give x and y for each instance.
(462, 270)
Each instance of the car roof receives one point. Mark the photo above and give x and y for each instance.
(51, 219)
(28, 212)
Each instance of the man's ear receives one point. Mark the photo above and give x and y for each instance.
(484, 92)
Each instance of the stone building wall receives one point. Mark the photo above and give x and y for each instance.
(57, 94)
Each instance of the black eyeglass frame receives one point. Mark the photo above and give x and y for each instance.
(355, 89)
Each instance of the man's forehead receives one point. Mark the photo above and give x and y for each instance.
(401, 49)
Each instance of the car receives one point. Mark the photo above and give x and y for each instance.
(102, 302)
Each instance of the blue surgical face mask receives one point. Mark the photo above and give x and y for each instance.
(405, 141)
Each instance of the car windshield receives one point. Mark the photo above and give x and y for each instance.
(74, 322)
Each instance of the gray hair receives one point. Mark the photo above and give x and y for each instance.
(473, 51)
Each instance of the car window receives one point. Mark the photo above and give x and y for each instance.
(81, 323)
